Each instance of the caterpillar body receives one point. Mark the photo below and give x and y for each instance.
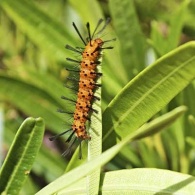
(87, 84)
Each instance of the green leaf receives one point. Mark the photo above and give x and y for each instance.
(131, 39)
(90, 166)
(48, 163)
(95, 144)
(161, 122)
(21, 155)
(44, 105)
(81, 171)
(153, 150)
(176, 25)
(147, 182)
(144, 181)
(39, 27)
(146, 130)
(148, 93)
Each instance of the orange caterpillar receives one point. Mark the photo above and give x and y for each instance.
(88, 76)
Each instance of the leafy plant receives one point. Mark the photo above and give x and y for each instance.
(147, 97)
(21, 155)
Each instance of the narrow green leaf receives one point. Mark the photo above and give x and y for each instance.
(43, 104)
(148, 129)
(81, 171)
(153, 146)
(48, 162)
(176, 25)
(44, 81)
(43, 30)
(21, 155)
(148, 93)
(161, 122)
(95, 144)
(131, 39)
(94, 164)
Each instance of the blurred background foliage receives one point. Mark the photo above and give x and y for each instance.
(32, 60)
